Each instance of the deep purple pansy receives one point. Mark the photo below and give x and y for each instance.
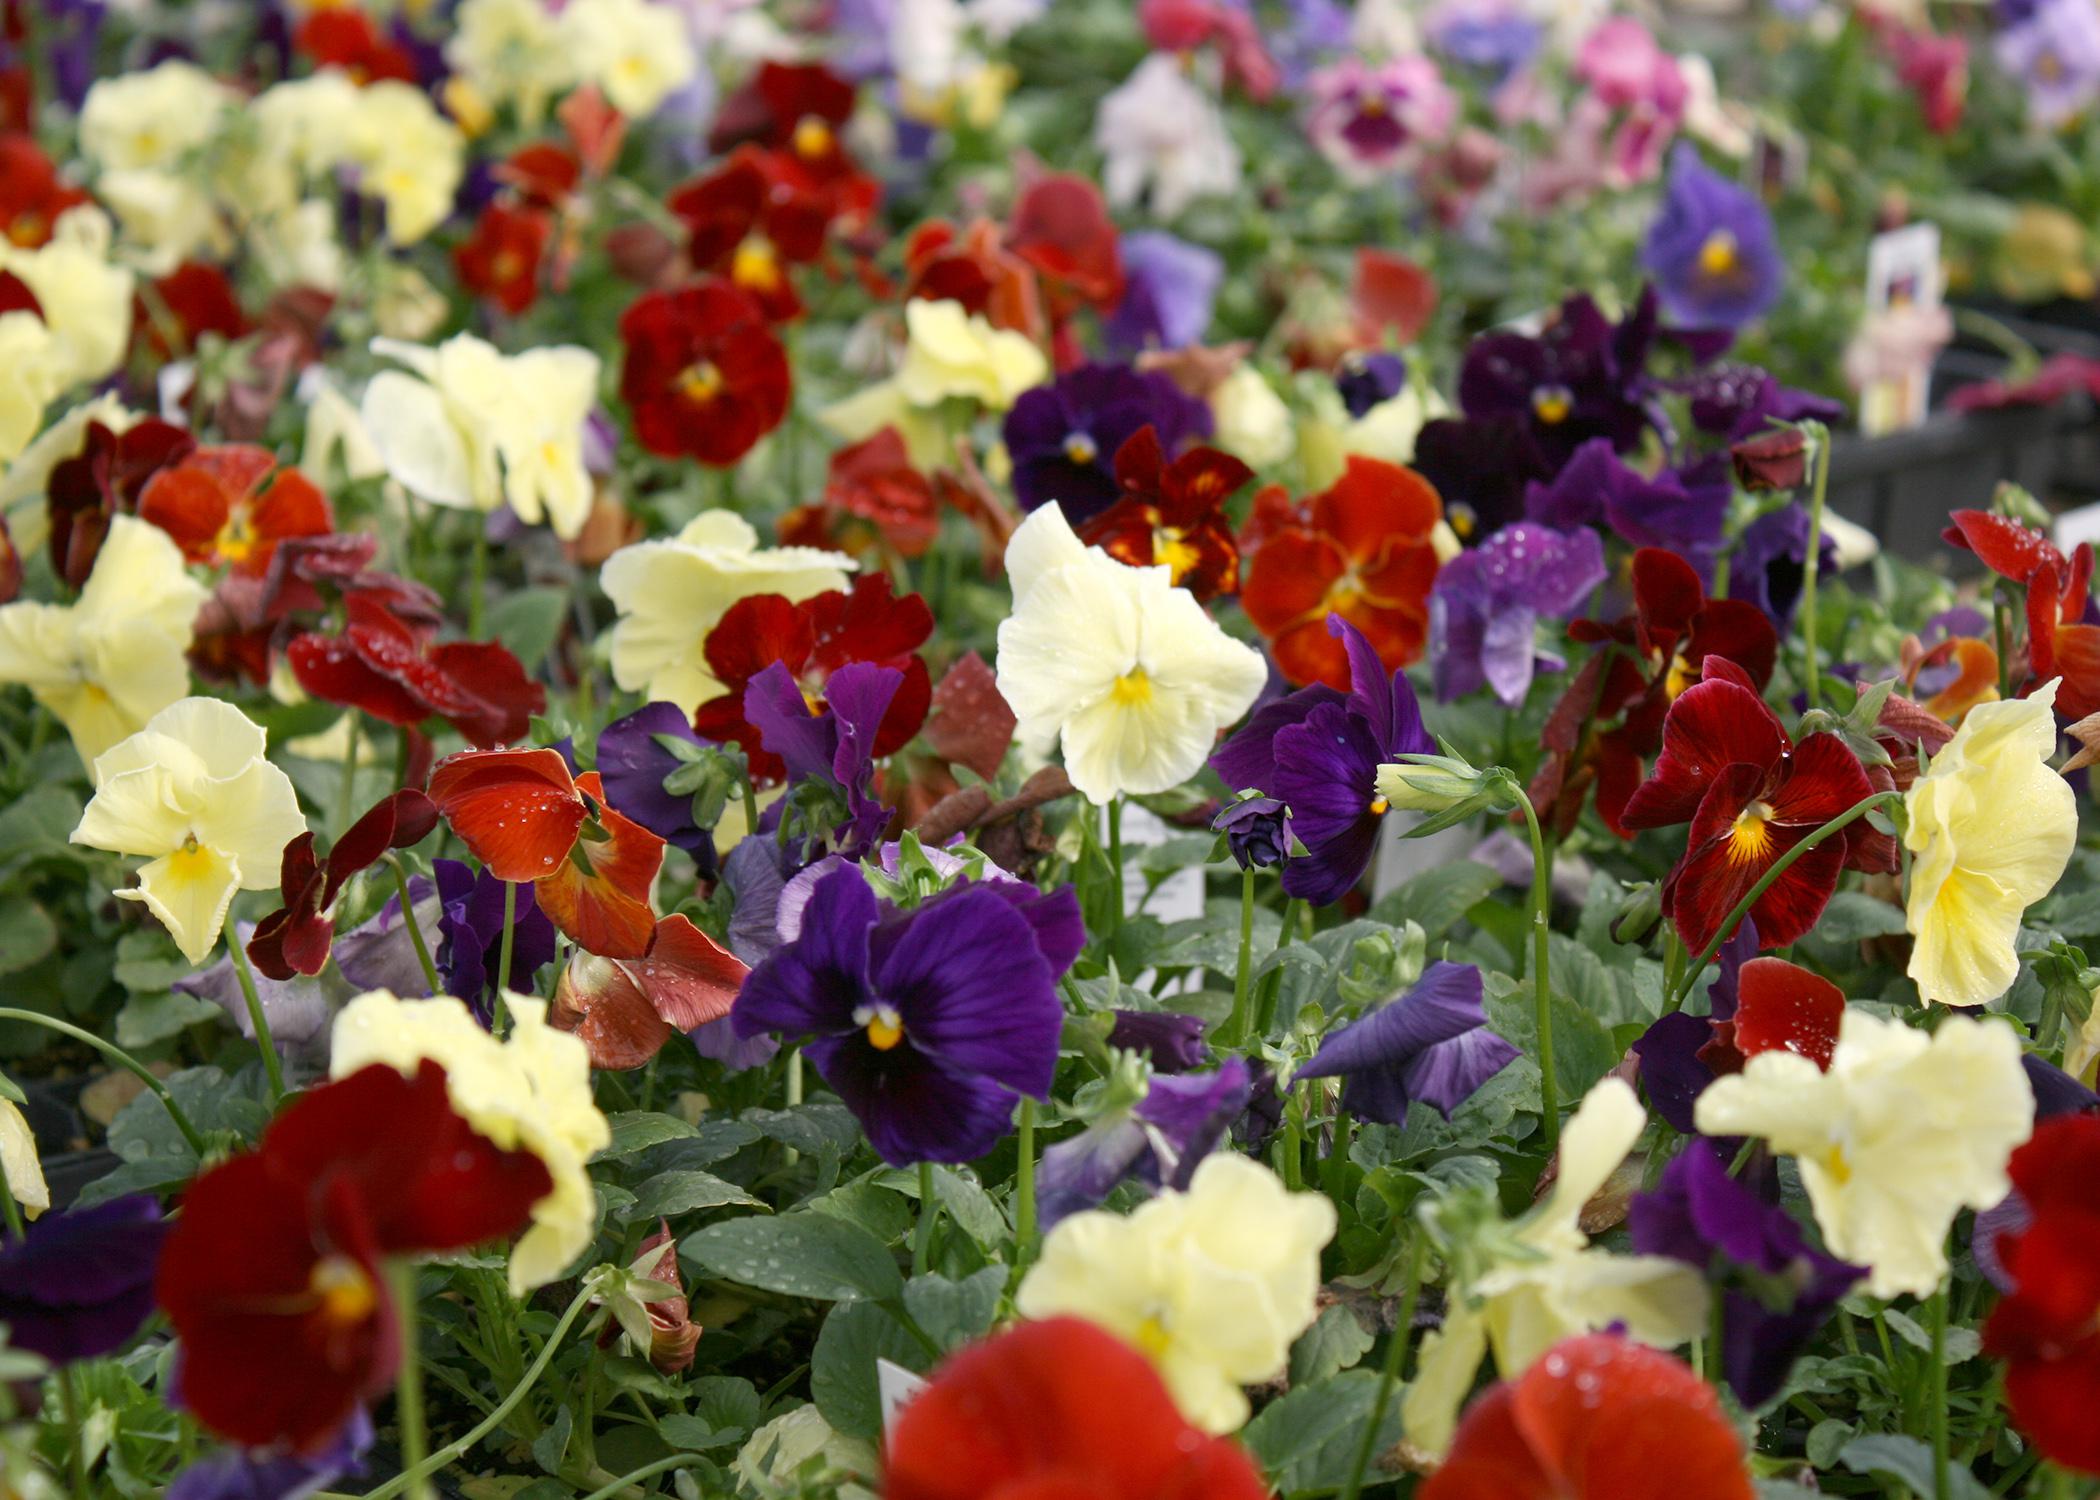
(633, 763)
(79, 1283)
(835, 744)
(1680, 510)
(1063, 437)
(470, 934)
(1173, 1041)
(1367, 380)
(1432, 1044)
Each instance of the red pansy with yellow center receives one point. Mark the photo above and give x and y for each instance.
(32, 195)
(749, 221)
(527, 818)
(1173, 514)
(1361, 549)
(501, 260)
(230, 506)
(704, 376)
(1751, 794)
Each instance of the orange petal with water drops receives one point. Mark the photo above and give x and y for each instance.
(517, 811)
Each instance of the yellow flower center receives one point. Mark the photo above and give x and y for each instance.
(1552, 404)
(1170, 546)
(1750, 839)
(756, 264)
(190, 862)
(507, 267)
(1379, 806)
(1462, 517)
(1080, 448)
(1837, 1166)
(1719, 255)
(345, 1293)
(1152, 1337)
(1132, 688)
(701, 382)
(236, 539)
(813, 137)
(28, 228)
(885, 1027)
(1372, 105)
(1679, 677)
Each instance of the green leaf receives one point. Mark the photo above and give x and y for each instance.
(1827, 1439)
(1962, 1343)
(27, 933)
(1335, 1342)
(154, 1174)
(637, 1130)
(697, 1434)
(529, 622)
(146, 1019)
(842, 1377)
(799, 1254)
(1308, 1439)
(1435, 899)
(1854, 916)
(550, 1446)
(822, 1127)
(669, 1194)
(1908, 1461)
(955, 1312)
(727, 1401)
(146, 962)
(39, 824)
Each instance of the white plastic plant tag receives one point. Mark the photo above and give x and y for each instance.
(895, 1386)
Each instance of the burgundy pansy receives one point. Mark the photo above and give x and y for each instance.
(625, 1009)
(295, 938)
(393, 670)
(1173, 514)
(704, 376)
(104, 479)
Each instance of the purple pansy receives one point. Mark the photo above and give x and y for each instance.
(633, 763)
(1672, 1072)
(2056, 52)
(1770, 562)
(1169, 288)
(1432, 1044)
(1258, 832)
(1159, 1141)
(1319, 751)
(1174, 1042)
(1711, 250)
(470, 934)
(1737, 401)
(1486, 605)
(1367, 380)
(236, 1474)
(296, 1009)
(79, 1283)
(1492, 38)
(1683, 511)
(1700, 1215)
(928, 1023)
(1063, 437)
(836, 744)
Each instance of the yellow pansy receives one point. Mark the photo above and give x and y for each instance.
(530, 1091)
(1213, 1284)
(1991, 829)
(928, 439)
(670, 594)
(193, 794)
(151, 120)
(511, 53)
(410, 157)
(114, 657)
(27, 354)
(950, 352)
(85, 301)
(1903, 1132)
(1123, 667)
(637, 53)
(1548, 1284)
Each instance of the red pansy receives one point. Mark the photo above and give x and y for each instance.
(501, 260)
(1595, 1418)
(387, 662)
(230, 506)
(192, 300)
(274, 1273)
(2005, 546)
(872, 497)
(526, 818)
(973, 267)
(342, 36)
(2059, 642)
(812, 640)
(704, 375)
(1360, 549)
(1057, 1410)
(31, 195)
(626, 1009)
(295, 938)
(1780, 1007)
(1174, 514)
(1061, 227)
(748, 221)
(1391, 295)
(1751, 793)
(798, 112)
(542, 174)
(2045, 1329)
(101, 481)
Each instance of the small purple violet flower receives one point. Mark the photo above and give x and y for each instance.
(835, 745)
(1712, 249)
(1159, 1141)
(1771, 558)
(1431, 1044)
(1681, 510)
(1173, 1041)
(1485, 607)
(1169, 289)
(79, 1284)
(1258, 832)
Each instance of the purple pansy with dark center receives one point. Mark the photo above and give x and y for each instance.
(928, 1023)
(1174, 1042)
(1682, 511)
(1063, 437)
(835, 744)
(1367, 380)
(1169, 288)
(79, 1283)
(1770, 561)
(1711, 250)
(1318, 751)
(1257, 830)
(1159, 1141)
(1738, 401)
(470, 934)
(1486, 605)
(1700, 1215)
(1432, 1044)
(633, 764)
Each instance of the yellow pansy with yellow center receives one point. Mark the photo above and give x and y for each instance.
(107, 662)
(193, 795)
(1991, 828)
(636, 52)
(530, 1091)
(1212, 1284)
(950, 352)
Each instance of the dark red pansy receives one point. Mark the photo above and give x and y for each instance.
(101, 481)
(1173, 514)
(1060, 226)
(704, 375)
(501, 260)
(343, 37)
(2005, 546)
(873, 496)
(1782, 1007)
(192, 300)
(274, 1274)
(2044, 1329)
(749, 221)
(1595, 1418)
(813, 639)
(526, 818)
(542, 174)
(295, 938)
(389, 667)
(32, 195)
(1730, 769)
(626, 1009)
(1057, 1410)
(231, 506)
(974, 267)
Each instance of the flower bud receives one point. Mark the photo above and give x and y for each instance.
(1257, 830)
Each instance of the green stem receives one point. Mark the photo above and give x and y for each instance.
(929, 1210)
(408, 1384)
(510, 920)
(457, 1448)
(1780, 866)
(1234, 1032)
(1938, 1402)
(415, 931)
(1115, 862)
(646, 1471)
(2001, 628)
(1542, 998)
(1820, 435)
(76, 1431)
(1394, 1367)
(346, 795)
(256, 1018)
(750, 807)
(123, 1060)
(1024, 1187)
(1272, 983)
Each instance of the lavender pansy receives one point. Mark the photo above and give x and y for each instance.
(1432, 1044)
(2055, 50)
(234, 1474)
(79, 1283)
(297, 1009)
(1063, 437)
(1169, 287)
(1486, 605)
(1712, 250)
(1159, 1140)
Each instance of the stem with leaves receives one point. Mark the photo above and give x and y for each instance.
(1394, 1367)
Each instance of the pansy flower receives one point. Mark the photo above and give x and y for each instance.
(634, 765)
(1169, 289)
(79, 1283)
(501, 260)
(1431, 1044)
(1751, 793)
(704, 375)
(32, 195)
(1064, 437)
(1173, 514)
(1318, 751)
(831, 744)
(1061, 227)
(626, 1009)
(275, 1275)
(812, 640)
(1770, 559)
(1485, 609)
(874, 497)
(230, 506)
(800, 110)
(748, 222)
(1158, 1140)
(1682, 510)
(195, 299)
(1363, 549)
(101, 481)
(973, 268)
(470, 934)
(1712, 249)
(1376, 119)
(931, 1023)
(526, 818)
(295, 938)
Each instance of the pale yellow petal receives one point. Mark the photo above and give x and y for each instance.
(190, 891)
(18, 1160)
